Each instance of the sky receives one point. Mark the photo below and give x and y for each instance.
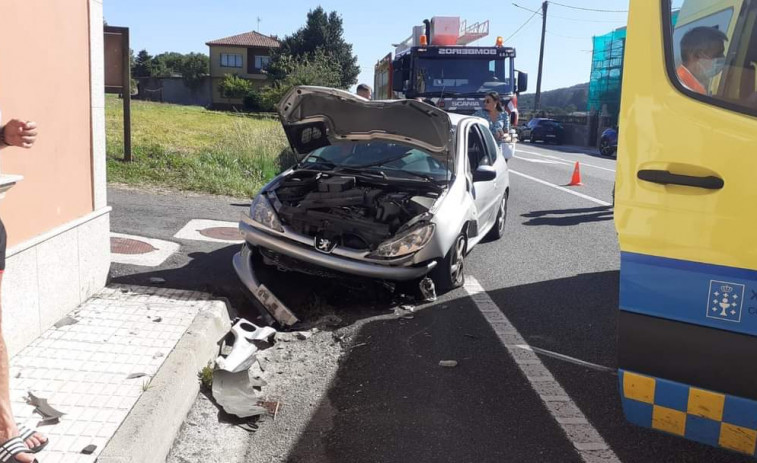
(185, 25)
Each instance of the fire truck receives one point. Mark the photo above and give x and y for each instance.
(438, 64)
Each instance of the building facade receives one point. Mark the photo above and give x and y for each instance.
(245, 55)
(56, 211)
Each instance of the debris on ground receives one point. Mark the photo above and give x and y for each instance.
(249, 426)
(303, 335)
(49, 414)
(157, 280)
(405, 311)
(89, 450)
(235, 394)
(157, 319)
(448, 363)
(271, 406)
(243, 349)
(65, 321)
(428, 289)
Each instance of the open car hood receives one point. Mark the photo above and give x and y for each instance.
(314, 117)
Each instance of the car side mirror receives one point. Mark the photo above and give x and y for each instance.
(522, 81)
(484, 174)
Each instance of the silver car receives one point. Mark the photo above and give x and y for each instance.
(392, 190)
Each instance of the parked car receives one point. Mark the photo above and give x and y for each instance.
(546, 130)
(608, 142)
(390, 190)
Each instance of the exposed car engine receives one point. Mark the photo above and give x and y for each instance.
(348, 210)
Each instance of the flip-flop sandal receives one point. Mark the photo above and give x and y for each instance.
(12, 447)
(25, 433)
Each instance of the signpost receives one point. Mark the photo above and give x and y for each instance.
(118, 75)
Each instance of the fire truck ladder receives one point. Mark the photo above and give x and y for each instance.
(475, 31)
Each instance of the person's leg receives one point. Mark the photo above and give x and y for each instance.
(8, 428)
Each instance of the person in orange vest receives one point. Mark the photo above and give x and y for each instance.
(702, 58)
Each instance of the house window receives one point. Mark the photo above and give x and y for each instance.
(261, 62)
(230, 60)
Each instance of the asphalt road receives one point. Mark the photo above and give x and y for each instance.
(554, 276)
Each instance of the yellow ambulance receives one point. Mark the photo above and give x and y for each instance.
(686, 216)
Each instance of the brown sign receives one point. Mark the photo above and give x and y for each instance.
(116, 58)
(118, 75)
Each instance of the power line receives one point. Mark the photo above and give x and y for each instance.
(588, 9)
(605, 21)
(522, 25)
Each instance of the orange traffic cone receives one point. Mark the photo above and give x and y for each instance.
(576, 180)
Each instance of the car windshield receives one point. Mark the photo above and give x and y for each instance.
(393, 160)
(470, 75)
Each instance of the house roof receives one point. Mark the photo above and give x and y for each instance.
(248, 39)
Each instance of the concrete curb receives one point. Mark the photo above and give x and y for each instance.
(148, 432)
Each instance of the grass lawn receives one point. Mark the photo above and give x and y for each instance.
(191, 148)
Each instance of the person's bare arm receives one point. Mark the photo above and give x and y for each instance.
(18, 133)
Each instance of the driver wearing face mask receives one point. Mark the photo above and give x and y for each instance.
(702, 57)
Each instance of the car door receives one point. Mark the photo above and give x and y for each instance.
(529, 128)
(484, 192)
(685, 216)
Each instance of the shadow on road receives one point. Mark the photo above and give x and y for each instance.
(568, 217)
(391, 401)
(309, 297)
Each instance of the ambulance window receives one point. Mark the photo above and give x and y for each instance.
(712, 51)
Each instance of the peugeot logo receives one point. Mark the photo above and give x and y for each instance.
(324, 245)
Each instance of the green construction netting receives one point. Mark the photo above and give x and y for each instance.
(607, 72)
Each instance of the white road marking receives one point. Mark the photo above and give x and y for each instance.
(163, 249)
(191, 231)
(565, 161)
(586, 440)
(537, 161)
(568, 358)
(558, 187)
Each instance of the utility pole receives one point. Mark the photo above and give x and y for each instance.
(537, 99)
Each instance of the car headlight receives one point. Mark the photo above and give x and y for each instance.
(406, 243)
(262, 212)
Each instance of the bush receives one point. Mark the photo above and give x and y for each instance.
(253, 101)
(233, 86)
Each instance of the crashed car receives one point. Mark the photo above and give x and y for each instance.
(391, 190)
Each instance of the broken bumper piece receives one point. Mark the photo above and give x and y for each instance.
(243, 350)
(243, 266)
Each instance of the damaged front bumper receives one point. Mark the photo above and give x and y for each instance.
(333, 262)
(243, 266)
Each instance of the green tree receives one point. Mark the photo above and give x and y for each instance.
(234, 87)
(142, 65)
(167, 64)
(318, 69)
(321, 32)
(193, 68)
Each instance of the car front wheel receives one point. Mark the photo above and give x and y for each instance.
(498, 230)
(450, 273)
